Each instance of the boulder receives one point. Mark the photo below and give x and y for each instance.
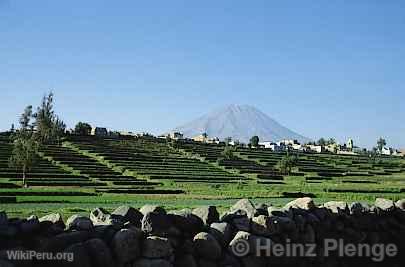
(273, 211)
(206, 246)
(80, 257)
(152, 263)
(244, 243)
(208, 214)
(244, 205)
(262, 209)
(155, 247)
(384, 204)
(222, 231)
(79, 222)
(128, 214)
(229, 260)
(3, 219)
(152, 208)
(100, 254)
(64, 240)
(126, 245)
(358, 208)
(206, 263)
(252, 261)
(400, 204)
(186, 221)
(261, 225)
(99, 216)
(338, 207)
(186, 260)
(155, 223)
(4, 263)
(305, 203)
(30, 225)
(55, 218)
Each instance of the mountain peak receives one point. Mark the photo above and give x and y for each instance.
(240, 122)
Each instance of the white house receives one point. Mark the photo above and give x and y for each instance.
(386, 151)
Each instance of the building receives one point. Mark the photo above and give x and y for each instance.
(350, 144)
(316, 148)
(125, 133)
(386, 151)
(99, 131)
(176, 136)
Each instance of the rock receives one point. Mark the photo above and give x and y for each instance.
(99, 216)
(273, 211)
(155, 247)
(305, 203)
(244, 205)
(155, 223)
(152, 208)
(262, 209)
(223, 232)
(55, 218)
(245, 243)
(152, 263)
(8, 231)
(3, 219)
(278, 225)
(400, 204)
(4, 263)
(30, 225)
(64, 240)
(186, 260)
(126, 245)
(308, 237)
(186, 221)
(128, 214)
(80, 256)
(252, 261)
(357, 208)
(106, 232)
(78, 222)
(384, 204)
(229, 260)
(100, 254)
(261, 225)
(206, 263)
(338, 207)
(207, 246)
(208, 214)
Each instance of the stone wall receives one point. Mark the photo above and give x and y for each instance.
(246, 235)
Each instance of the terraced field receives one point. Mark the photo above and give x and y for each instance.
(155, 160)
(88, 171)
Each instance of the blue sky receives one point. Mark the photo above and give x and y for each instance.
(321, 68)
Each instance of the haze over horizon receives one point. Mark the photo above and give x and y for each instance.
(322, 69)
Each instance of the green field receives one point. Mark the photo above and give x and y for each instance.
(86, 172)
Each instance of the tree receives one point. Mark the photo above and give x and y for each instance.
(83, 128)
(25, 147)
(227, 153)
(24, 155)
(254, 141)
(49, 128)
(286, 164)
(321, 142)
(331, 141)
(25, 119)
(380, 144)
(227, 140)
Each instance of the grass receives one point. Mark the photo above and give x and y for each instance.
(348, 178)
